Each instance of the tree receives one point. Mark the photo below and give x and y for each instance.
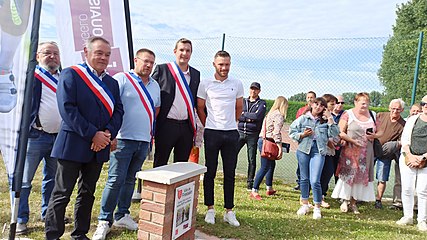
(376, 99)
(299, 97)
(348, 97)
(398, 64)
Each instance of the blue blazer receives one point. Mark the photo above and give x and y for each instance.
(83, 114)
(35, 102)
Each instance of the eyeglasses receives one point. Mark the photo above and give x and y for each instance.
(340, 102)
(423, 104)
(47, 53)
(145, 61)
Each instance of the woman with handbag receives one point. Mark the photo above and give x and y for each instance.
(312, 131)
(356, 164)
(412, 164)
(271, 130)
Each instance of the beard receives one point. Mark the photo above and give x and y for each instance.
(51, 67)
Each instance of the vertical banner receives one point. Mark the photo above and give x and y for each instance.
(77, 20)
(15, 31)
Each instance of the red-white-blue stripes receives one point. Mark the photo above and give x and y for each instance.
(46, 78)
(145, 98)
(96, 86)
(185, 91)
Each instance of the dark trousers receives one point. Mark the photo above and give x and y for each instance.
(176, 135)
(335, 160)
(251, 144)
(226, 142)
(327, 172)
(67, 174)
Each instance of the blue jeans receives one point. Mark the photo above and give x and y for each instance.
(382, 169)
(311, 166)
(125, 162)
(39, 147)
(267, 170)
(251, 144)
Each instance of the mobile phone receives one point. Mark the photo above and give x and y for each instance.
(369, 130)
(308, 128)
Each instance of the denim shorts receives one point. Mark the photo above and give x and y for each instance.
(383, 169)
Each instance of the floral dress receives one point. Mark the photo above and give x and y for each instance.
(356, 164)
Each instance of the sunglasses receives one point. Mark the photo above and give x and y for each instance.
(423, 104)
(340, 102)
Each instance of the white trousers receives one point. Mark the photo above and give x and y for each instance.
(413, 180)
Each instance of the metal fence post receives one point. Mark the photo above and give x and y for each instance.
(223, 41)
(417, 66)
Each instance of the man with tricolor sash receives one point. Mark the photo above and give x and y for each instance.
(176, 123)
(140, 96)
(45, 123)
(91, 111)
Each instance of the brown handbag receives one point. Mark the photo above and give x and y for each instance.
(269, 149)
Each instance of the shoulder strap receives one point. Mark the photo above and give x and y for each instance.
(265, 126)
(372, 116)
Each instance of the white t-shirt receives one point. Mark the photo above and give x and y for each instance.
(49, 116)
(220, 100)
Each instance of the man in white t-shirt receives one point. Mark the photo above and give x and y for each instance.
(223, 98)
(45, 122)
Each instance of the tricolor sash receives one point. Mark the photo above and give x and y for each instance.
(97, 86)
(46, 78)
(145, 98)
(185, 91)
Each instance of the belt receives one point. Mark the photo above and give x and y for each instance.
(177, 121)
(53, 134)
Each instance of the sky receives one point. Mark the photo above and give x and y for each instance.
(339, 26)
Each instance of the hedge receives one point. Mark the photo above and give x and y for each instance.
(294, 106)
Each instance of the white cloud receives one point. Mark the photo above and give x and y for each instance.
(269, 18)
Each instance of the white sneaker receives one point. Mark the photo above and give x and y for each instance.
(7, 93)
(230, 217)
(303, 210)
(422, 226)
(210, 216)
(405, 221)
(21, 228)
(316, 213)
(126, 222)
(102, 230)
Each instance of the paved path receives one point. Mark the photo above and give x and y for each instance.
(203, 236)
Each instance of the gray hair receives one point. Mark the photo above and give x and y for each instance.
(41, 44)
(93, 39)
(397, 100)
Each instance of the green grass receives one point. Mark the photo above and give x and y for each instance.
(272, 218)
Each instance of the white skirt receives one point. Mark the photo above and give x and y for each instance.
(358, 191)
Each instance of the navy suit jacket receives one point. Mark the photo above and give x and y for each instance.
(83, 114)
(167, 90)
(35, 103)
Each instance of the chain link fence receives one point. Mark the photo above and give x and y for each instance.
(287, 67)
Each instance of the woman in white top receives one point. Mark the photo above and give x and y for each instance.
(356, 164)
(412, 164)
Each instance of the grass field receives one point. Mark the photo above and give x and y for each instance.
(272, 218)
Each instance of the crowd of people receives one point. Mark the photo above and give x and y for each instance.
(82, 117)
(337, 142)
